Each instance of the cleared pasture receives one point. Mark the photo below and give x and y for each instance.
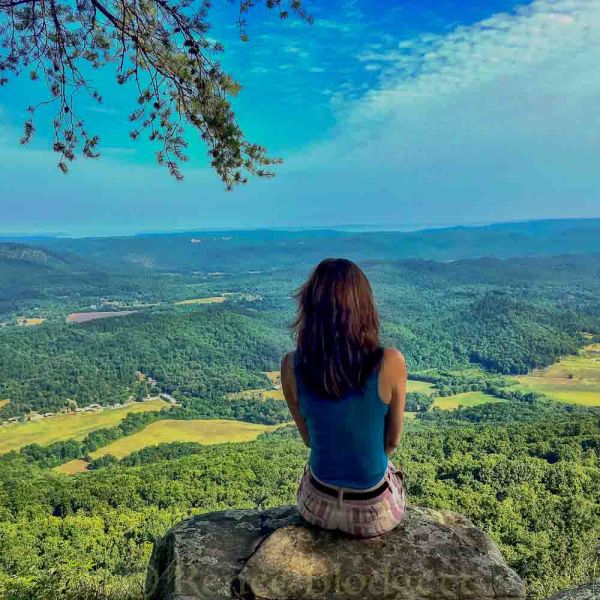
(72, 467)
(574, 379)
(210, 300)
(465, 399)
(68, 426)
(201, 431)
(419, 386)
(30, 321)
(274, 376)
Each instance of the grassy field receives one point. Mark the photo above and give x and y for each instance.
(68, 426)
(263, 393)
(211, 300)
(419, 386)
(274, 376)
(464, 399)
(30, 321)
(199, 430)
(4, 403)
(574, 379)
(72, 467)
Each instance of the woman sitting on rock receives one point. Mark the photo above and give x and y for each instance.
(347, 396)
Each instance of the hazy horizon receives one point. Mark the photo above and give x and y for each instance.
(350, 228)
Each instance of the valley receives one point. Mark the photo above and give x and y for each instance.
(502, 349)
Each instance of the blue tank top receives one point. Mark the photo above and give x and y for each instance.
(346, 435)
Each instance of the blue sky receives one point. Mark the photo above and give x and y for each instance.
(386, 113)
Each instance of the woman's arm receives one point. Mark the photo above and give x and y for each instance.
(395, 378)
(288, 385)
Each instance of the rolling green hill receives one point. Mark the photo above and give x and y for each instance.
(521, 466)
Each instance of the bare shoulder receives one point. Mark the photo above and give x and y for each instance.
(287, 369)
(288, 379)
(394, 360)
(287, 365)
(392, 371)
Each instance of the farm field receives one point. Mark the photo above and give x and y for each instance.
(84, 317)
(211, 300)
(72, 467)
(274, 376)
(464, 399)
(29, 321)
(574, 379)
(419, 386)
(261, 394)
(264, 393)
(68, 426)
(202, 431)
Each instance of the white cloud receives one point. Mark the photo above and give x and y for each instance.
(498, 120)
(541, 35)
(493, 121)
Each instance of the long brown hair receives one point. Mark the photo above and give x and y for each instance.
(336, 329)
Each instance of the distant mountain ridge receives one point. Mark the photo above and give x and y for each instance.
(29, 254)
(238, 251)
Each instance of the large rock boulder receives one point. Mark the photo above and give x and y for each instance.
(274, 555)
(591, 591)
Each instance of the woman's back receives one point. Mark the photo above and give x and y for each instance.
(346, 434)
(346, 394)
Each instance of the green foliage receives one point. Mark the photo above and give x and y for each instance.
(526, 470)
(533, 486)
(418, 402)
(160, 48)
(197, 356)
(442, 316)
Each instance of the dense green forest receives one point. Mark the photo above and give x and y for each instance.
(524, 468)
(533, 486)
(507, 316)
(197, 354)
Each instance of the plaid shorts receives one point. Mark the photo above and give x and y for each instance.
(360, 518)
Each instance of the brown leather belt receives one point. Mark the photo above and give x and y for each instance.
(357, 495)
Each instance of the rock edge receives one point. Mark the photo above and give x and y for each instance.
(275, 555)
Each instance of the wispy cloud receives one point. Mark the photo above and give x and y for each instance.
(540, 35)
(495, 118)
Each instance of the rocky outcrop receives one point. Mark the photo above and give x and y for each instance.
(591, 591)
(274, 555)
